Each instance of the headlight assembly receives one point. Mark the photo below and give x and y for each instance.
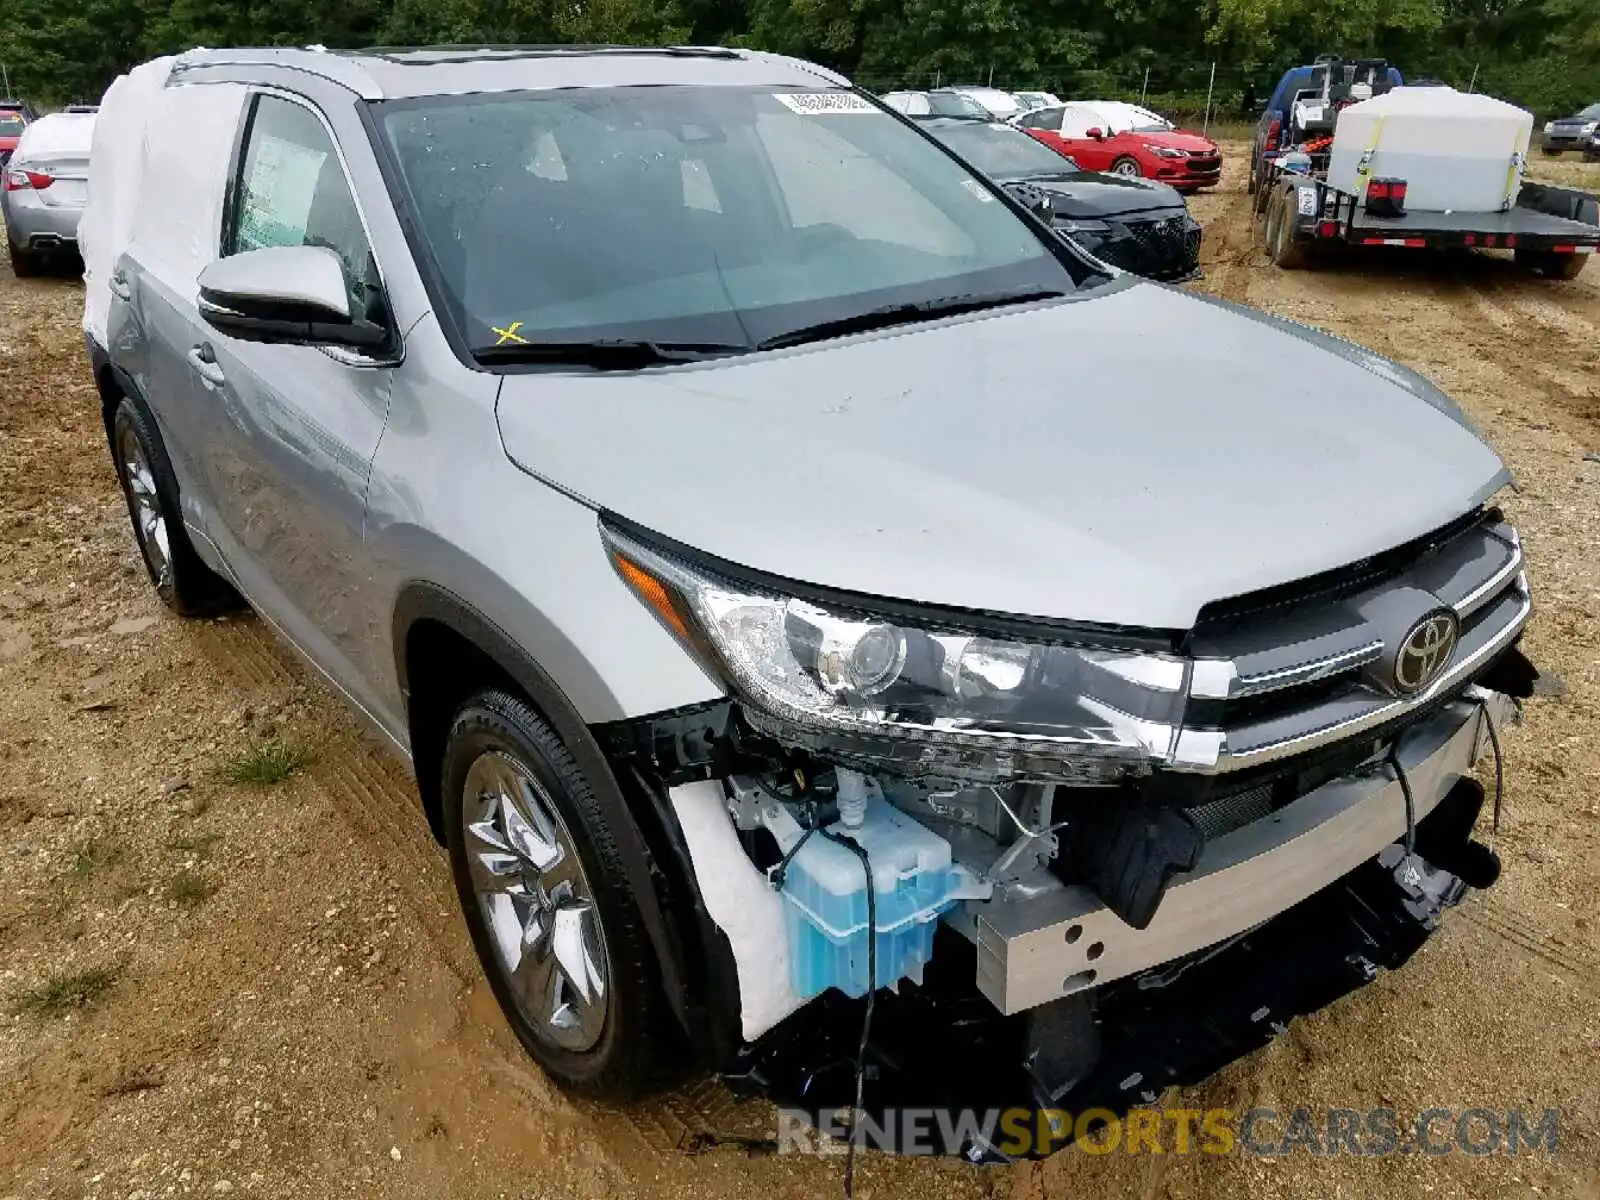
(1167, 151)
(923, 694)
(1088, 228)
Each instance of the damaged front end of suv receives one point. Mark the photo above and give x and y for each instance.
(1104, 860)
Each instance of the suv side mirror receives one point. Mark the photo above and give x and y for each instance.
(292, 295)
(1097, 133)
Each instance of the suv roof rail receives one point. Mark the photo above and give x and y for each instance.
(361, 70)
(467, 51)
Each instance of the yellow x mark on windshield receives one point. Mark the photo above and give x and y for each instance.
(509, 334)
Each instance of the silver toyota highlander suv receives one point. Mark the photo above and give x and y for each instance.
(722, 496)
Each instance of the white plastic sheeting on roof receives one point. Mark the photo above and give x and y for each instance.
(188, 151)
(1457, 151)
(116, 161)
(158, 171)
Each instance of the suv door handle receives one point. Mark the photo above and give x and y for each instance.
(204, 361)
(119, 286)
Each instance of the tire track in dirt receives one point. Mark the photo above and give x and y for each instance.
(380, 806)
(1503, 923)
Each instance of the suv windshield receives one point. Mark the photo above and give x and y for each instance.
(1592, 113)
(712, 217)
(1001, 152)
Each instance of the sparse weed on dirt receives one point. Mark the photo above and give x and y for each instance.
(199, 843)
(266, 763)
(94, 855)
(188, 889)
(64, 993)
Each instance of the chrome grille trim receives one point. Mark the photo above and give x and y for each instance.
(1216, 751)
(1219, 679)
(1493, 586)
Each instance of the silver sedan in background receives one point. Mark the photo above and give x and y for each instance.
(46, 183)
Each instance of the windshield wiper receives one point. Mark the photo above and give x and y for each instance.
(614, 354)
(905, 314)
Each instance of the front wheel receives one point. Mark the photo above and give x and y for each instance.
(546, 899)
(1128, 167)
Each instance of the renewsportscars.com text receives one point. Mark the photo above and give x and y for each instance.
(1264, 1132)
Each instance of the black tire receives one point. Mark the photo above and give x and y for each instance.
(1121, 165)
(1254, 183)
(635, 1051)
(185, 584)
(1552, 265)
(23, 264)
(1549, 152)
(1268, 205)
(1288, 252)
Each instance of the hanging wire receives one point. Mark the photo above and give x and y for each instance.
(860, 852)
(1499, 762)
(1411, 803)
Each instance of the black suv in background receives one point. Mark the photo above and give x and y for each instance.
(1139, 225)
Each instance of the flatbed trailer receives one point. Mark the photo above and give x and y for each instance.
(1553, 230)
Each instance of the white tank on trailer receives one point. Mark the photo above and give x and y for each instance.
(1457, 151)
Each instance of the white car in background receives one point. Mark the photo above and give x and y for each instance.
(46, 183)
(1003, 105)
(1036, 100)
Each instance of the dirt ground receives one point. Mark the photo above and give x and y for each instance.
(210, 987)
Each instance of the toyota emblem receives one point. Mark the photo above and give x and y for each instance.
(1425, 651)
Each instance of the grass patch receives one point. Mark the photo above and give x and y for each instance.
(62, 994)
(94, 855)
(266, 763)
(188, 889)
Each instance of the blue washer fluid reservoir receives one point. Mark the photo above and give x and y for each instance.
(825, 892)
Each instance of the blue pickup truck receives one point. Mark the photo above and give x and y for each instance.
(1275, 132)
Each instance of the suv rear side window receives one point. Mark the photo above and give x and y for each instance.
(292, 191)
(11, 124)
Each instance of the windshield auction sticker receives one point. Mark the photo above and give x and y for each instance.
(812, 104)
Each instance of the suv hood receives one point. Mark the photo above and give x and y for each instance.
(1025, 461)
(1090, 194)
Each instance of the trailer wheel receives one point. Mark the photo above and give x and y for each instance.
(1287, 251)
(1551, 264)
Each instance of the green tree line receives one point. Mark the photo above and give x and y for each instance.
(1543, 54)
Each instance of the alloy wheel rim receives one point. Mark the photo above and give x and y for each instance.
(536, 902)
(1127, 168)
(150, 524)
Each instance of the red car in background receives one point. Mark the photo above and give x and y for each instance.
(1124, 139)
(12, 122)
